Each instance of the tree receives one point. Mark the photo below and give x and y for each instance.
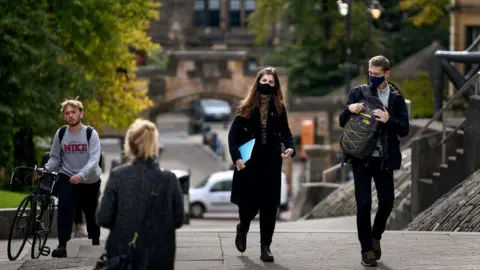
(103, 32)
(425, 12)
(419, 91)
(55, 49)
(316, 50)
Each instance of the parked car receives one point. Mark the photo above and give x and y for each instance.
(212, 195)
(212, 109)
(183, 177)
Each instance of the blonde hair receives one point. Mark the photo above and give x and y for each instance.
(141, 140)
(73, 103)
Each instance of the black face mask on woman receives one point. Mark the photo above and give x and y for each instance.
(265, 89)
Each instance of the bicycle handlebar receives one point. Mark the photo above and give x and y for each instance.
(35, 169)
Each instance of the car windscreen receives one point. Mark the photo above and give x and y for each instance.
(202, 183)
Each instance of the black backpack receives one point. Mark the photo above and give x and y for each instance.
(61, 133)
(360, 134)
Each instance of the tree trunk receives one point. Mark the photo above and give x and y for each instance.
(327, 21)
(24, 148)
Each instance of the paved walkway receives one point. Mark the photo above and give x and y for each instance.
(294, 250)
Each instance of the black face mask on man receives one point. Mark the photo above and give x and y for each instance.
(376, 81)
(265, 89)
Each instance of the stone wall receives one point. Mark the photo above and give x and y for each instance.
(458, 210)
(295, 119)
(464, 13)
(446, 201)
(430, 178)
(6, 219)
(471, 145)
(341, 202)
(205, 74)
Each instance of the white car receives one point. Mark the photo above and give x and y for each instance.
(212, 195)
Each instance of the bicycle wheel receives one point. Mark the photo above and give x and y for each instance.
(20, 228)
(42, 225)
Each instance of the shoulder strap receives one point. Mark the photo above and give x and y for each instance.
(61, 133)
(89, 133)
(365, 90)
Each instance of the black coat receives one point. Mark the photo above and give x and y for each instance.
(140, 197)
(260, 181)
(397, 125)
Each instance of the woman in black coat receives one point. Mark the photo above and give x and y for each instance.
(257, 182)
(141, 198)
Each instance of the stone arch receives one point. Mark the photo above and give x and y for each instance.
(166, 105)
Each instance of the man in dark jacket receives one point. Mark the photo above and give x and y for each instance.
(384, 160)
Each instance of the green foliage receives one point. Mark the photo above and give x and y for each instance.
(425, 12)
(266, 13)
(53, 50)
(314, 52)
(419, 91)
(102, 32)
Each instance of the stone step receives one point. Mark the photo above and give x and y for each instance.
(426, 180)
(89, 251)
(452, 158)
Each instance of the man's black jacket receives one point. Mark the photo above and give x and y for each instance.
(397, 125)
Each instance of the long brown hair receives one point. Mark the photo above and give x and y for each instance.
(248, 105)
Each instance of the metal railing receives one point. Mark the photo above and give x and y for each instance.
(474, 80)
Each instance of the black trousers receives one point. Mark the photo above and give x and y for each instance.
(78, 216)
(363, 174)
(68, 194)
(268, 219)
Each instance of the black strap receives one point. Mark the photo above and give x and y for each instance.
(89, 133)
(365, 90)
(61, 133)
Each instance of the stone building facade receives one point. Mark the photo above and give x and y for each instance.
(211, 53)
(464, 25)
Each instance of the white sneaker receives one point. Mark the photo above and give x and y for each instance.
(80, 234)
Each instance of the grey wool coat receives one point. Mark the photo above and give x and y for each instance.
(131, 191)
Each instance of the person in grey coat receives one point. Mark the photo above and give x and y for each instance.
(141, 189)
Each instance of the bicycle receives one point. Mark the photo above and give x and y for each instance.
(34, 214)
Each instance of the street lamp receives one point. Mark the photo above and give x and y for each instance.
(342, 7)
(375, 9)
(345, 9)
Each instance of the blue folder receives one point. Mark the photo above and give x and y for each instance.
(246, 150)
